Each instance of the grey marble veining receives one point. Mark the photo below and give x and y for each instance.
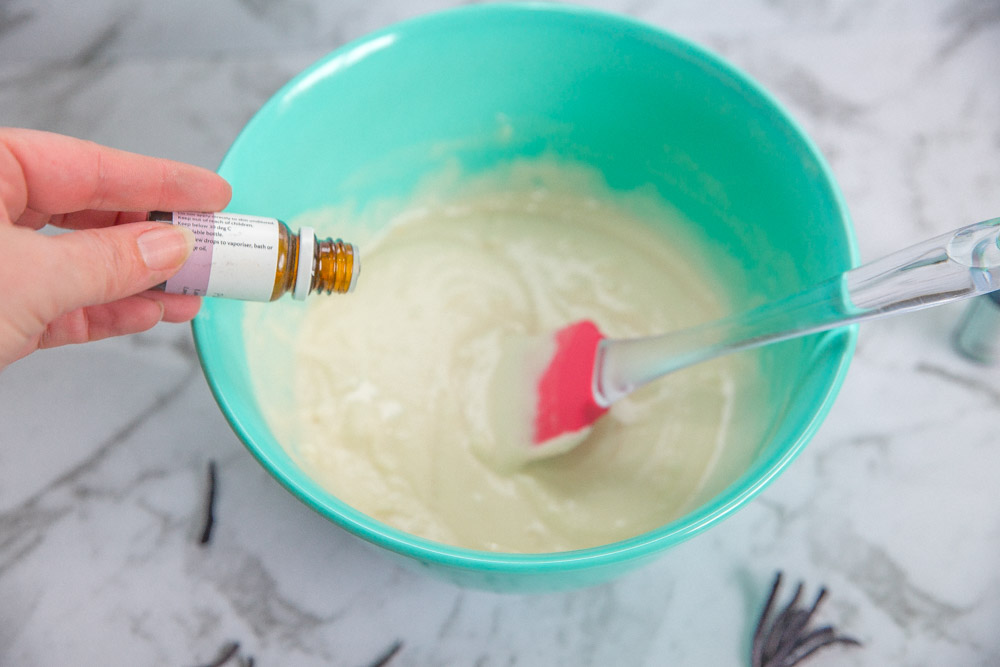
(103, 448)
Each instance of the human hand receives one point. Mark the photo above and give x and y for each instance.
(90, 283)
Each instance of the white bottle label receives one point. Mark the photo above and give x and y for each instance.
(234, 256)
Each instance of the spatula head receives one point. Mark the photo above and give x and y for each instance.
(566, 402)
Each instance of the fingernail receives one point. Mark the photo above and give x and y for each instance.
(165, 247)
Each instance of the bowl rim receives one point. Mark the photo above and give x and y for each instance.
(735, 495)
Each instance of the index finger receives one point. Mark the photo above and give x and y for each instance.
(53, 174)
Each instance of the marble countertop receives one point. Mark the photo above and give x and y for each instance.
(894, 505)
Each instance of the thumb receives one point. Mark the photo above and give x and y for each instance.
(96, 266)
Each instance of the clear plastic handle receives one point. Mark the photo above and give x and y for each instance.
(953, 266)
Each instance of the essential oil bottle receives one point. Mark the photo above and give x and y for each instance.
(258, 259)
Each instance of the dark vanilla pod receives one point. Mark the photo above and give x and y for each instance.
(209, 522)
(786, 640)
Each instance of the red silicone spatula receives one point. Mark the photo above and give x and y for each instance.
(587, 372)
(566, 402)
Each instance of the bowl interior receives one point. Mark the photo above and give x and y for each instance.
(481, 86)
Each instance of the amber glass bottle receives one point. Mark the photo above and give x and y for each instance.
(258, 259)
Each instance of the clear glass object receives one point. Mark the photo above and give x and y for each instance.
(957, 265)
(977, 335)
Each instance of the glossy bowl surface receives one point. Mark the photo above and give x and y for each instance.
(491, 83)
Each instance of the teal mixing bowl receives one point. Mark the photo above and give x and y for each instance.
(483, 85)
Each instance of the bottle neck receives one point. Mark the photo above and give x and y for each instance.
(335, 267)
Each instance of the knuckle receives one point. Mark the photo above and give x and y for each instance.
(104, 267)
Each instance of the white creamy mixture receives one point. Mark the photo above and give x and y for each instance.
(391, 383)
